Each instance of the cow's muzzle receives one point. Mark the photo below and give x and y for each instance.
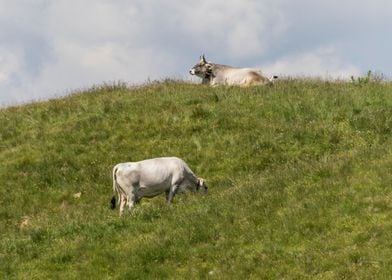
(201, 185)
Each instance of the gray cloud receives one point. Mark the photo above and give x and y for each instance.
(49, 48)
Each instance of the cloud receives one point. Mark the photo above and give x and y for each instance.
(77, 44)
(239, 28)
(323, 62)
(9, 65)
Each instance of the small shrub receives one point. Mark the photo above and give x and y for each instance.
(369, 78)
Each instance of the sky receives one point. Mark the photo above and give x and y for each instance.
(50, 48)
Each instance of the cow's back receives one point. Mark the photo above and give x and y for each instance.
(150, 172)
(160, 170)
(238, 76)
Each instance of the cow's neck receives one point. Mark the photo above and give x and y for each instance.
(208, 77)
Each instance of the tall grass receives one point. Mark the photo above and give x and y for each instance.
(299, 176)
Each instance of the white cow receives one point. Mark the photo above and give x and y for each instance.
(217, 74)
(151, 177)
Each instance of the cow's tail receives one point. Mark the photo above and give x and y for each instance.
(113, 200)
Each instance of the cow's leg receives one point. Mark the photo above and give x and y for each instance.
(132, 199)
(123, 201)
(171, 193)
(167, 195)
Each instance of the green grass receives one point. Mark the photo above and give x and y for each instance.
(299, 175)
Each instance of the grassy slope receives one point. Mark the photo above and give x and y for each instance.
(299, 176)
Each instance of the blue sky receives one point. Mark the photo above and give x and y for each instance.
(49, 48)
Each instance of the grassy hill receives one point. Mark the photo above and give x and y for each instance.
(299, 175)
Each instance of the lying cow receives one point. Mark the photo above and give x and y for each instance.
(151, 177)
(217, 74)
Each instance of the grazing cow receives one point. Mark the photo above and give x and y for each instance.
(217, 74)
(151, 177)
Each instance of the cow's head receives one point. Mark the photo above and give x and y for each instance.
(203, 69)
(201, 185)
